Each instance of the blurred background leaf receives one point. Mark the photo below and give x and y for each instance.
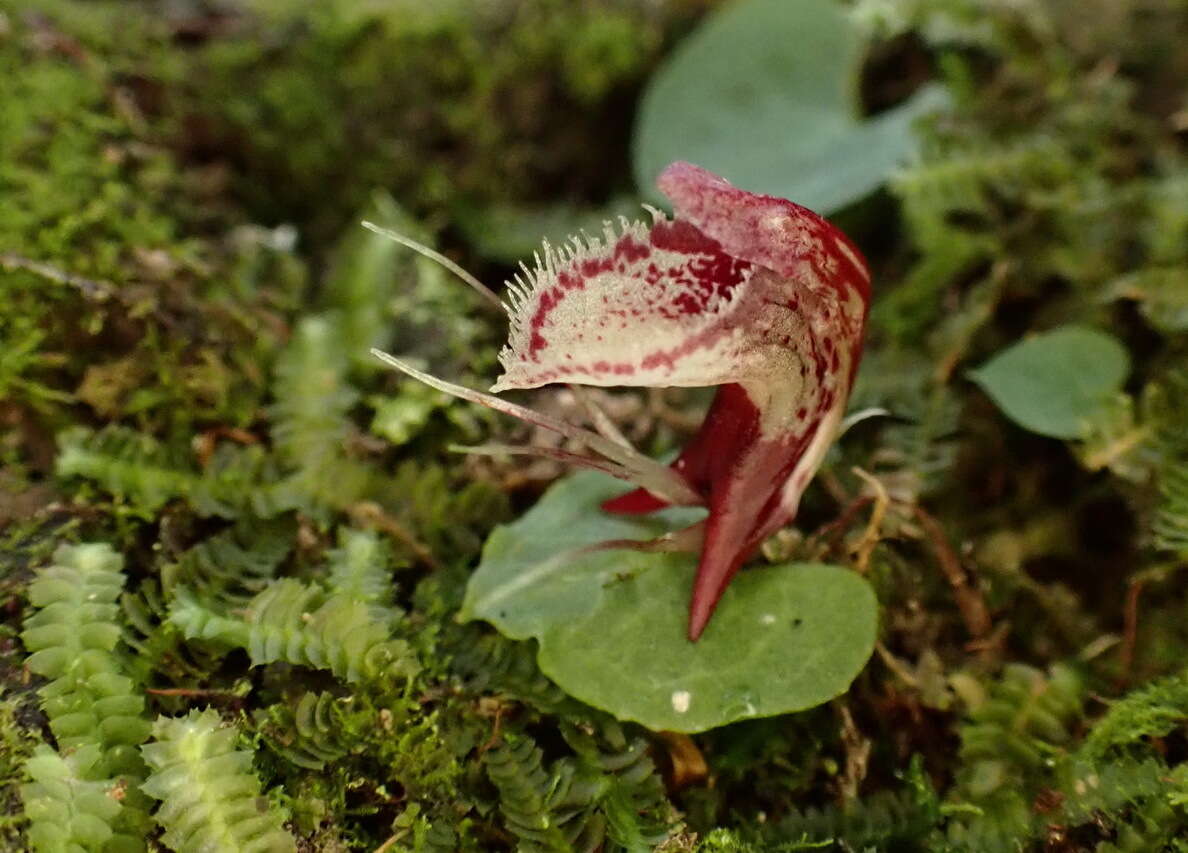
(1057, 382)
(765, 94)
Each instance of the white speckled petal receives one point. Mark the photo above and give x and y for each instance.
(658, 306)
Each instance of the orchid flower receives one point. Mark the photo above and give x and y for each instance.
(751, 293)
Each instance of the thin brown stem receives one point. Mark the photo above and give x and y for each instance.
(89, 287)
(871, 535)
(191, 693)
(831, 530)
(371, 514)
(1130, 615)
(969, 599)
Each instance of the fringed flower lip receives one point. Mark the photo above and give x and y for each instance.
(751, 293)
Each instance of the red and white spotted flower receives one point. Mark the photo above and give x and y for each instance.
(751, 293)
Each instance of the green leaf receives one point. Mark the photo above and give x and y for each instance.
(765, 94)
(1054, 383)
(611, 623)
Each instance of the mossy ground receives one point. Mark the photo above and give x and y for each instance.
(186, 303)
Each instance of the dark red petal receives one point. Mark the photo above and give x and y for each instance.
(730, 417)
(742, 473)
(635, 502)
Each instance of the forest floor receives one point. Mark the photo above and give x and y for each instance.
(232, 538)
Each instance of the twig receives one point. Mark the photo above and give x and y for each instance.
(496, 731)
(189, 692)
(897, 666)
(369, 513)
(1130, 626)
(91, 288)
(834, 528)
(206, 442)
(969, 599)
(857, 748)
(870, 536)
(1130, 612)
(992, 643)
(830, 482)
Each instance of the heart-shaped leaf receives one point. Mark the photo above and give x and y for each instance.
(611, 623)
(765, 95)
(1054, 383)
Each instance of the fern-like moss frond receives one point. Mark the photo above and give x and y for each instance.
(1146, 440)
(310, 425)
(424, 835)
(312, 733)
(312, 394)
(968, 177)
(129, 464)
(94, 708)
(69, 808)
(450, 517)
(240, 480)
(631, 793)
(885, 820)
(1151, 711)
(491, 663)
(234, 565)
(605, 797)
(1170, 527)
(361, 567)
(299, 624)
(1165, 414)
(545, 811)
(157, 642)
(366, 272)
(1015, 740)
(1025, 720)
(1108, 788)
(408, 743)
(72, 638)
(210, 798)
(951, 200)
(1165, 405)
(1128, 801)
(397, 738)
(139, 470)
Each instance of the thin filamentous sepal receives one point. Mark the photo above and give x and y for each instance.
(554, 454)
(646, 472)
(437, 257)
(601, 420)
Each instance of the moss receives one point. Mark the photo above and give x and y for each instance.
(443, 105)
(115, 304)
(18, 739)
